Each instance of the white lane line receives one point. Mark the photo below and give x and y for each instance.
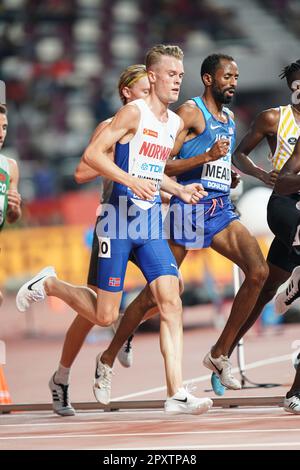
(75, 423)
(203, 378)
(209, 446)
(205, 419)
(152, 434)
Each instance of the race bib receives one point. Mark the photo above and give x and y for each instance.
(104, 247)
(217, 174)
(145, 168)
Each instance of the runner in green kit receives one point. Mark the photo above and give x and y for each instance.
(10, 199)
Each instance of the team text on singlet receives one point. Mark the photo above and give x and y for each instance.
(146, 154)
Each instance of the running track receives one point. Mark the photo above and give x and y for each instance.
(31, 362)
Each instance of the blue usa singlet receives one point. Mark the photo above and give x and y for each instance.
(214, 176)
(195, 226)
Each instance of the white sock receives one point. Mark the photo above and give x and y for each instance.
(62, 375)
(180, 391)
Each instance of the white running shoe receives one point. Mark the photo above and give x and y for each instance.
(184, 402)
(102, 381)
(284, 299)
(125, 355)
(60, 398)
(33, 290)
(292, 405)
(222, 367)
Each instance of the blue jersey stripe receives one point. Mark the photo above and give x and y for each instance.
(122, 160)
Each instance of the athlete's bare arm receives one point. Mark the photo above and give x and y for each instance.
(190, 193)
(264, 126)
(288, 181)
(194, 124)
(13, 196)
(83, 172)
(97, 155)
(235, 177)
(165, 197)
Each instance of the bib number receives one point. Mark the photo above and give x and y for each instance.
(3, 188)
(104, 247)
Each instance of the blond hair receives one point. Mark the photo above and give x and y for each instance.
(154, 54)
(129, 76)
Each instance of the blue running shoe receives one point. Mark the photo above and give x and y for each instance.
(218, 388)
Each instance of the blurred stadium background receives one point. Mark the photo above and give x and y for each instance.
(60, 60)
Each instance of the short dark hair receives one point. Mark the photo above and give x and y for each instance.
(289, 70)
(3, 109)
(212, 62)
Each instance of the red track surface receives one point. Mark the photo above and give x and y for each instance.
(30, 363)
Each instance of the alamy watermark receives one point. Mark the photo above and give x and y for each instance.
(296, 92)
(125, 220)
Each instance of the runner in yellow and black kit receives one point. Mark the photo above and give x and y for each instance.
(281, 127)
(288, 187)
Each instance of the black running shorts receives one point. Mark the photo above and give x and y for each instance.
(283, 219)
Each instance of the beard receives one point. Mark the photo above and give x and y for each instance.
(220, 96)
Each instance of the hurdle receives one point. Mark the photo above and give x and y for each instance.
(228, 402)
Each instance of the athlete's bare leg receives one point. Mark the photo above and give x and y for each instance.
(132, 317)
(153, 310)
(276, 278)
(75, 337)
(101, 309)
(238, 245)
(165, 289)
(142, 307)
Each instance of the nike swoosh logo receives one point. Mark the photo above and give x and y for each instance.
(96, 373)
(214, 127)
(183, 401)
(219, 370)
(174, 266)
(32, 284)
